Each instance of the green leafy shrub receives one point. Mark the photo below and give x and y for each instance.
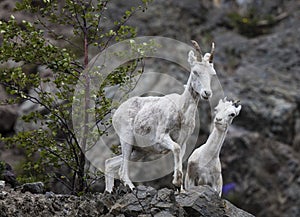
(54, 145)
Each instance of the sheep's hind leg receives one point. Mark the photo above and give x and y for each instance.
(110, 165)
(124, 174)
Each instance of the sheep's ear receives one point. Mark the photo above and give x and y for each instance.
(238, 109)
(221, 101)
(206, 57)
(192, 58)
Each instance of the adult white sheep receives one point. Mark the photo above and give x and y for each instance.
(151, 124)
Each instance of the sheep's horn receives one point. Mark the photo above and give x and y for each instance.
(212, 52)
(198, 49)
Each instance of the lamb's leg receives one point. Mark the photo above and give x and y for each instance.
(191, 177)
(168, 143)
(187, 181)
(110, 165)
(124, 175)
(220, 184)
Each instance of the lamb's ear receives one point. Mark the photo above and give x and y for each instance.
(221, 101)
(238, 109)
(192, 58)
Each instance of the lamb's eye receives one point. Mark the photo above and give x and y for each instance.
(232, 115)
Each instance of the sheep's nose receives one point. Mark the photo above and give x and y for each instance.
(207, 93)
(218, 119)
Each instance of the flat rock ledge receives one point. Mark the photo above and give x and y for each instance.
(143, 202)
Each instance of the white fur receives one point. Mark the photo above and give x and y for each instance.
(148, 125)
(204, 166)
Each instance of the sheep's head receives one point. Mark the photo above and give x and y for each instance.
(225, 112)
(202, 70)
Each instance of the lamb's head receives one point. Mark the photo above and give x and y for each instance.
(202, 70)
(225, 112)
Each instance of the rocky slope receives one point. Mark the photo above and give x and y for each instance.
(144, 201)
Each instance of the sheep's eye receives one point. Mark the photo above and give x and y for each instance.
(232, 115)
(195, 73)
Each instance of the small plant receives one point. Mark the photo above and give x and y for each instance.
(2, 168)
(251, 24)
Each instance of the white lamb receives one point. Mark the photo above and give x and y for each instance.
(204, 166)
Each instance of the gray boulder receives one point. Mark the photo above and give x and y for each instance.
(203, 201)
(7, 174)
(34, 188)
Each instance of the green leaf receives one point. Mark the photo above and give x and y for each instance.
(30, 45)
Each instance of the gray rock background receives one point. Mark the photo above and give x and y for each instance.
(261, 154)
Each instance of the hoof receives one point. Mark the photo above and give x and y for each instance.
(130, 188)
(178, 188)
(182, 190)
(177, 181)
(107, 192)
(129, 185)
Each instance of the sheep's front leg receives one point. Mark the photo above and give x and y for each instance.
(168, 143)
(110, 165)
(124, 174)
